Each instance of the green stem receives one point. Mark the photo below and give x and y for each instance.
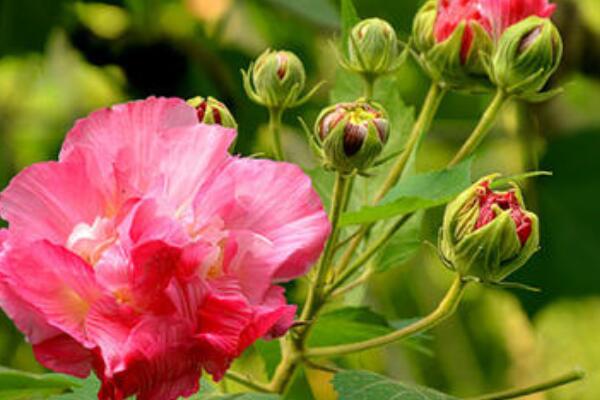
(481, 130)
(369, 87)
(565, 379)
(338, 200)
(369, 252)
(247, 381)
(430, 107)
(446, 308)
(275, 115)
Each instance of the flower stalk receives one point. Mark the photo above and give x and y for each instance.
(275, 115)
(446, 308)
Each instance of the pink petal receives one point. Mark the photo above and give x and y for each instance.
(47, 200)
(59, 284)
(274, 200)
(65, 355)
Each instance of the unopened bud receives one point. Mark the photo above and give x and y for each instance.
(352, 135)
(372, 47)
(488, 234)
(211, 111)
(278, 78)
(527, 55)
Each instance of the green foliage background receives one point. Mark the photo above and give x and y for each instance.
(61, 59)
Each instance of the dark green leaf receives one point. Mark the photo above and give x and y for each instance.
(415, 193)
(316, 11)
(349, 19)
(362, 385)
(348, 325)
(23, 385)
(270, 351)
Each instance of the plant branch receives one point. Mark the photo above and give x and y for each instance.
(446, 308)
(565, 379)
(246, 381)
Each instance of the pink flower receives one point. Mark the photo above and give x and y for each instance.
(148, 253)
(494, 16)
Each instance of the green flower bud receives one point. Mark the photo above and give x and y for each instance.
(488, 234)
(372, 47)
(452, 53)
(352, 135)
(211, 111)
(527, 55)
(278, 78)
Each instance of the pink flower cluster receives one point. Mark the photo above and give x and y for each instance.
(148, 254)
(494, 16)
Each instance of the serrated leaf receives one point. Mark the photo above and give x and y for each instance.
(363, 385)
(16, 384)
(348, 325)
(413, 193)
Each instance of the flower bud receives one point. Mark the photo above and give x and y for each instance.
(488, 234)
(372, 47)
(278, 78)
(527, 55)
(452, 39)
(352, 135)
(211, 111)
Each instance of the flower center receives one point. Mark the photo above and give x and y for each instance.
(90, 241)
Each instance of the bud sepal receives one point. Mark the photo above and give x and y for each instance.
(210, 111)
(486, 235)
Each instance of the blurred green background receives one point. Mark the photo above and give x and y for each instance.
(60, 59)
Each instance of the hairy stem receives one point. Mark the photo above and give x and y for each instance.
(481, 130)
(446, 308)
(565, 379)
(275, 115)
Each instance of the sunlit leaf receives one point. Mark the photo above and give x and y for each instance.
(362, 385)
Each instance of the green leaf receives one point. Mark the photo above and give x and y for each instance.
(349, 19)
(402, 246)
(417, 192)
(24, 385)
(240, 396)
(85, 389)
(316, 11)
(270, 351)
(348, 325)
(362, 385)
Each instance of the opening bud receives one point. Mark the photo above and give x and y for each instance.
(352, 135)
(372, 47)
(488, 234)
(278, 78)
(527, 55)
(211, 111)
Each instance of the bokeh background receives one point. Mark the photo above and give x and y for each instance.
(61, 59)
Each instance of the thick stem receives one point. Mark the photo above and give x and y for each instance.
(446, 308)
(369, 87)
(275, 115)
(422, 125)
(540, 387)
(338, 200)
(481, 130)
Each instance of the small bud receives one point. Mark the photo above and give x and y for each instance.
(372, 47)
(527, 55)
(211, 111)
(488, 234)
(278, 78)
(352, 135)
